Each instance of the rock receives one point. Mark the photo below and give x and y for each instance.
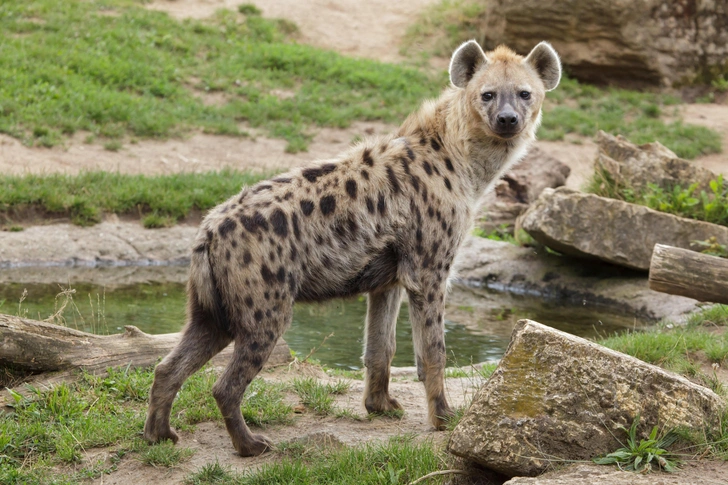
(563, 281)
(589, 226)
(649, 43)
(635, 166)
(521, 186)
(111, 243)
(608, 475)
(558, 397)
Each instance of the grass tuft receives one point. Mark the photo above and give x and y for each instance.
(317, 396)
(165, 454)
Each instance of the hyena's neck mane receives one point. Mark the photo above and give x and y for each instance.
(481, 159)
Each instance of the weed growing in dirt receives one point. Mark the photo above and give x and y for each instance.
(317, 396)
(116, 69)
(643, 455)
(210, 474)
(161, 199)
(164, 454)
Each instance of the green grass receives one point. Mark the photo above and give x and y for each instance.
(678, 347)
(117, 70)
(161, 200)
(582, 109)
(317, 396)
(55, 427)
(400, 460)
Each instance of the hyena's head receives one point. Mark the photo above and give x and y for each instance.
(504, 89)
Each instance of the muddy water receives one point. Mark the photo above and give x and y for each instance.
(478, 322)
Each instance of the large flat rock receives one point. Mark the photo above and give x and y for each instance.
(563, 280)
(559, 397)
(614, 231)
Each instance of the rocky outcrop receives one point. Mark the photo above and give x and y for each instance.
(111, 243)
(590, 226)
(559, 397)
(635, 166)
(519, 187)
(563, 281)
(647, 43)
(583, 474)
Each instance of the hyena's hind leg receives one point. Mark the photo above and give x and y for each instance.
(202, 338)
(380, 344)
(253, 346)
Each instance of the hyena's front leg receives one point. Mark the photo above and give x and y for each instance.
(428, 333)
(380, 344)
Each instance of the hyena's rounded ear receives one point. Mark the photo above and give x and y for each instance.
(465, 61)
(544, 59)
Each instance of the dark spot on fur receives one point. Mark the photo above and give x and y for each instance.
(271, 336)
(226, 226)
(415, 180)
(447, 184)
(435, 247)
(327, 204)
(281, 275)
(227, 255)
(353, 226)
(424, 194)
(438, 215)
(258, 315)
(423, 141)
(249, 301)
(261, 188)
(448, 164)
(292, 283)
(365, 174)
(254, 346)
(234, 243)
(428, 167)
(367, 157)
(279, 221)
(370, 205)
(282, 180)
(201, 248)
(434, 168)
(296, 229)
(294, 253)
(393, 182)
(247, 257)
(444, 225)
(435, 146)
(449, 231)
(351, 188)
(253, 223)
(381, 205)
(405, 165)
(312, 174)
(268, 312)
(307, 207)
(418, 235)
(430, 297)
(267, 274)
(266, 295)
(410, 154)
(430, 211)
(428, 322)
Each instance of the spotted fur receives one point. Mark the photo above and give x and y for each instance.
(385, 218)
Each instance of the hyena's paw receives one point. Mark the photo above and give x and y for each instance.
(156, 434)
(255, 445)
(382, 404)
(440, 416)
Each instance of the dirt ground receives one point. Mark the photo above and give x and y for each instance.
(370, 29)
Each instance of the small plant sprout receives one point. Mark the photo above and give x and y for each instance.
(640, 457)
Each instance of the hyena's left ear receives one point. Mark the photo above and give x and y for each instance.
(465, 61)
(546, 61)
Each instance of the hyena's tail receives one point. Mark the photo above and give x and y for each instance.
(202, 288)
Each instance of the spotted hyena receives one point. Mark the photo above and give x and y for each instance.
(385, 218)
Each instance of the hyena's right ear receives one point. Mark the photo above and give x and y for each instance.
(465, 61)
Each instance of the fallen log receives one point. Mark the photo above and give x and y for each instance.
(688, 273)
(57, 353)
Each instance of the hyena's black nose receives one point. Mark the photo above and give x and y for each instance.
(507, 119)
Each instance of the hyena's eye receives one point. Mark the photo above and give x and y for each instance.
(488, 96)
(525, 95)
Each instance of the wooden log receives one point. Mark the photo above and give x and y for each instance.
(38, 347)
(687, 273)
